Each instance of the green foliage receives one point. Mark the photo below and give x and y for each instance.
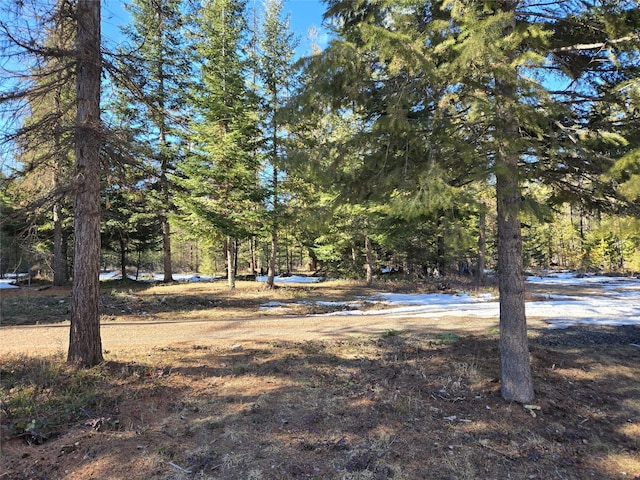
(219, 192)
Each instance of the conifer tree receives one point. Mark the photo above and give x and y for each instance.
(471, 71)
(274, 64)
(154, 73)
(219, 190)
(85, 344)
(44, 138)
(84, 339)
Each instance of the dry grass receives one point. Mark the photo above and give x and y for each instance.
(393, 406)
(398, 406)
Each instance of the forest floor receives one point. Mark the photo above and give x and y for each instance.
(202, 382)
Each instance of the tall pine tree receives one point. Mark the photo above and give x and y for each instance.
(220, 193)
(154, 74)
(274, 65)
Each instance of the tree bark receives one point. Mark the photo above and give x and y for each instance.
(231, 258)
(313, 260)
(482, 247)
(166, 248)
(59, 254)
(515, 362)
(441, 247)
(85, 345)
(271, 274)
(59, 264)
(252, 253)
(369, 256)
(123, 257)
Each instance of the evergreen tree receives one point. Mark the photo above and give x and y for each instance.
(274, 65)
(219, 189)
(85, 344)
(129, 220)
(45, 135)
(472, 89)
(28, 45)
(154, 74)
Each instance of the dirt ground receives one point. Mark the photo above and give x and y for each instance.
(228, 391)
(130, 321)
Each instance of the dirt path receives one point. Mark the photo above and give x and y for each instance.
(120, 336)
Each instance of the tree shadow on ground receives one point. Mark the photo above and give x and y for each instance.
(393, 406)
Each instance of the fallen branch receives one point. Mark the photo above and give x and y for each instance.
(178, 467)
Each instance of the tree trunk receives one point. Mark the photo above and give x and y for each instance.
(313, 261)
(85, 345)
(369, 264)
(354, 259)
(231, 257)
(515, 362)
(166, 248)
(271, 274)
(517, 384)
(482, 247)
(123, 258)
(440, 247)
(59, 254)
(164, 164)
(60, 272)
(252, 253)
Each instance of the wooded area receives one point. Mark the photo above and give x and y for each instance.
(428, 136)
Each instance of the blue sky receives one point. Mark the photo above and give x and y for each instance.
(303, 14)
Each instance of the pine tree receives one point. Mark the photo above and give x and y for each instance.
(483, 61)
(219, 189)
(154, 74)
(44, 138)
(274, 65)
(85, 345)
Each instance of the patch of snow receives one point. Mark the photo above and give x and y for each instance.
(159, 277)
(616, 301)
(6, 283)
(290, 279)
(272, 305)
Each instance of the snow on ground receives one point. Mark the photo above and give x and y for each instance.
(290, 279)
(190, 277)
(612, 301)
(158, 277)
(7, 283)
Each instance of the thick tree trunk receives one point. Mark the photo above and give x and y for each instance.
(515, 362)
(517, 383)
(369, 256)
(85, 345)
